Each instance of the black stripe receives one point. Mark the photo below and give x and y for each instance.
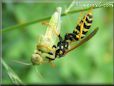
(74, 37)
(81, 21)
(88, 21)
(68, 36)
(71, 37)
(75, 32)
(84, 32)
(78, 28)
(50, 53)
(82, 37)
(87, 27)
(50, 58)
(60, 38)
(90, 16)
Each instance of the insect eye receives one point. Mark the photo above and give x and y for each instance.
(62, 47)
(66, 45)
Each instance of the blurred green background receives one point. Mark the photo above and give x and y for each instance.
(90, 63)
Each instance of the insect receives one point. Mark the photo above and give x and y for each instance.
(45, 54)
(46, 42)
(78, 33)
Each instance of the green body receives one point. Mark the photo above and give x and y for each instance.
(48, 40)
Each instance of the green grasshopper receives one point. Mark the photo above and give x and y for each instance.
(47, 41)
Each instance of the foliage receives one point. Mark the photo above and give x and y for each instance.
(90, 63)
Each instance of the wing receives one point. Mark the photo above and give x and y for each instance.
(54, 25)
(83, 40)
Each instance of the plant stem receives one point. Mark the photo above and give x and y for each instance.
(40, 20)
(12, 75)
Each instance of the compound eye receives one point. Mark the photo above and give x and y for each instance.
(66, 45)
(61, 47)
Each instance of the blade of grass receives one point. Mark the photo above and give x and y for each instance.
(43, 19)
(12, 75)
(38, 73)
(70, 6)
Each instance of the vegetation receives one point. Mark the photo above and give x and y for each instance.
(21, 27)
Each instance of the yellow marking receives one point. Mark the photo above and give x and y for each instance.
(90, 13)
(84, 21)
(81, 24)
(88, 24)
(76, 30)
(77, 36)
(61, 52)
(81, 27)
(68, 41)
(85, 30)
(44, 46)
(83, 35)
(90, 19)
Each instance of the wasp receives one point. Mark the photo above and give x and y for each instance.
(78, 33)
(63, 45)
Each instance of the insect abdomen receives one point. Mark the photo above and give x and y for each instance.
(83, 27)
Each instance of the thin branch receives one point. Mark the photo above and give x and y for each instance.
(40, 20)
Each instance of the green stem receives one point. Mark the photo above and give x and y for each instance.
(40, 20)
(12, 75)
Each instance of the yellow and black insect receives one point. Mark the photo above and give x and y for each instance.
(78, 33)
